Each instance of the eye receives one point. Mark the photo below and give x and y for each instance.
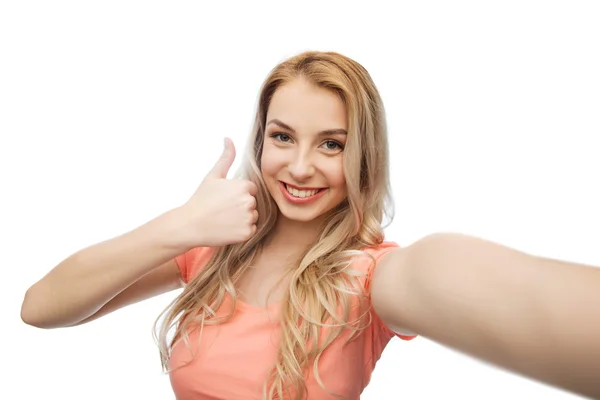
(333, 145)
(281, 137)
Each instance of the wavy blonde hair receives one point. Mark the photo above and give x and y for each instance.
(321, 285)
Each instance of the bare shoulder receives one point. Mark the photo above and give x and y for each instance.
(388, 291)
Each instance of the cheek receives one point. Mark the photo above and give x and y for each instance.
(335, 173)
(269, 161)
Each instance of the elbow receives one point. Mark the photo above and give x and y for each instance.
(35, 312)
(29, 320)
(27, 311)
(30, 312)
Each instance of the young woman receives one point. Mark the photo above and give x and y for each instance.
(291, 291)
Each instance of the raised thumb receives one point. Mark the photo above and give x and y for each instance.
(224, 162)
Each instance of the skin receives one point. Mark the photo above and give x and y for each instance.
(530, 315)
(296, 152)
(304, 158)
(484, 299)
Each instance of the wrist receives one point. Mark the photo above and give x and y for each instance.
(170, 229)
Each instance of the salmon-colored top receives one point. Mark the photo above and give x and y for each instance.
(233, 359)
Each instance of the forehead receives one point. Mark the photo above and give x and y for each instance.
(304, 106)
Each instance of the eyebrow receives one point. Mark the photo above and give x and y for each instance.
(322, 133)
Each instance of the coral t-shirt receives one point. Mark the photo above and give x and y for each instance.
(233, 359)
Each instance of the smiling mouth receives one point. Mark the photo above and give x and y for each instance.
(301, 193)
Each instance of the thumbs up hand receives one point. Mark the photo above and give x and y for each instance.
(222, 211)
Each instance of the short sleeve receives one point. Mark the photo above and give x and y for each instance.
(377, 252)
(192, 261)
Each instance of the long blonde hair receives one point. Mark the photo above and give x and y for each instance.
(321, 283)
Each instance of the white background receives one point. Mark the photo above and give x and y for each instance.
(112, 112)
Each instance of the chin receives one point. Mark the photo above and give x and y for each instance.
(304, 214)
(299, 215)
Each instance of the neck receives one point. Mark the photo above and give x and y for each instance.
(294, 236)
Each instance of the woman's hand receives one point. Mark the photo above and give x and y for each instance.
(222, 211)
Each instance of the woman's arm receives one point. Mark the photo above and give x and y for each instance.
(533, 316)
(95, 280)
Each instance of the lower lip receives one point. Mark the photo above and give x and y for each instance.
(300, 200)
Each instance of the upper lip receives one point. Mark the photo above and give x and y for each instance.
(302, 188)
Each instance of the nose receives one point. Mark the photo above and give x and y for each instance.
(301, 167)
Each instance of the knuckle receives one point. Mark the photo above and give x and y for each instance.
(251, 202)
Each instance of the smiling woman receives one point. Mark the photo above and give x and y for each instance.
(309, 156)
(291, 290)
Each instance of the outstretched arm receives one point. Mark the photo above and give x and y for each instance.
(533, 316)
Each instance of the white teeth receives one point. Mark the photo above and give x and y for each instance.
(300, 193)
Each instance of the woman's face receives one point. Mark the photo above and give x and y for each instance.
(303, 150)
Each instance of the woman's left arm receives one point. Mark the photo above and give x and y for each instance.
(533, 316)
